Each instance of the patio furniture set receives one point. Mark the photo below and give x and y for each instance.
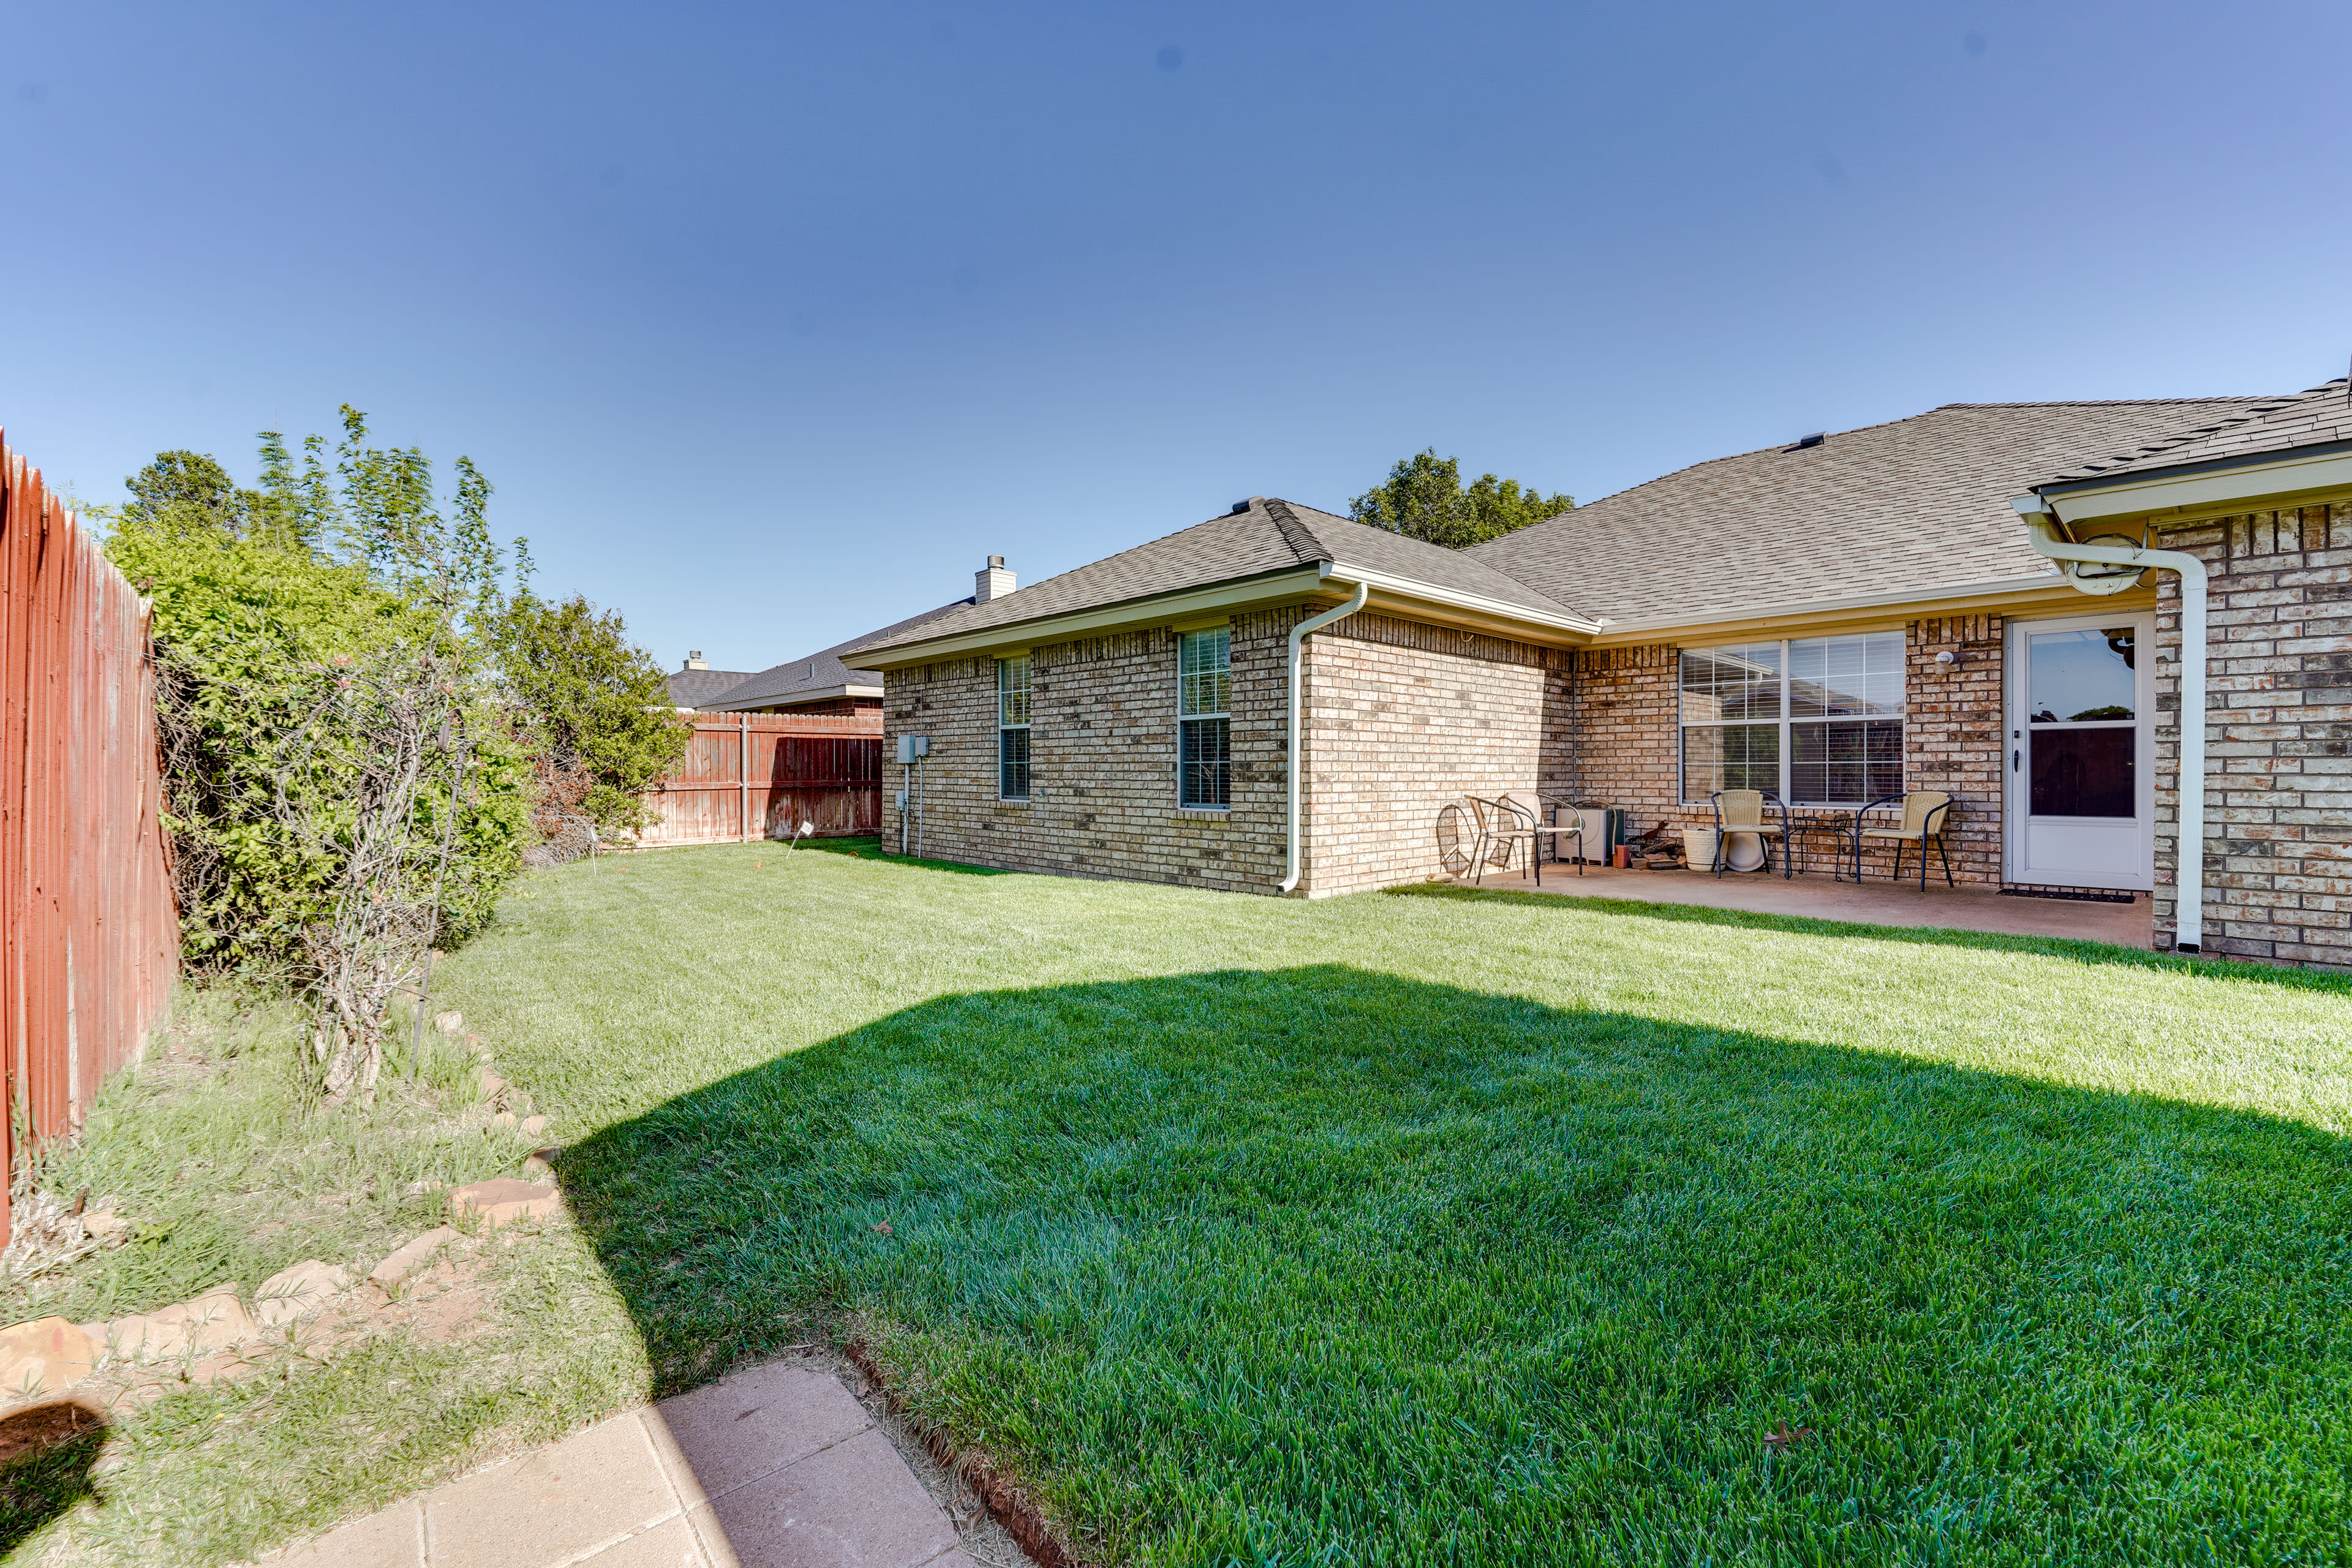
(1521, 820)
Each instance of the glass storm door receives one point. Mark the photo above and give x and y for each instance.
(2081, 756)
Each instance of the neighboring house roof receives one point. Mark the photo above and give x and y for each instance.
(1914, 506)
(1264, 536)
(695, 688)
(818, 675)
(2316, 417)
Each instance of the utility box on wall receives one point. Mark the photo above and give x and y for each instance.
(1604, 829)
(912, 747)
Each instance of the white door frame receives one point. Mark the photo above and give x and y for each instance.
(2017, 793)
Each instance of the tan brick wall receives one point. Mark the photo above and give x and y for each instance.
(1404, 719)
(2278, 867)
(1401, 720)
(1623, 739)
(1102, 796)
(1954, 739)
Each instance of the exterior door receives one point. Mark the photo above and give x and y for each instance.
(2081, 752)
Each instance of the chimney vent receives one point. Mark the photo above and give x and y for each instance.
(992, 581)
(694, 660)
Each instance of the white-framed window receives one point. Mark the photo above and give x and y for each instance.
(1012, 728)
(1815, 720)
(1204, 732)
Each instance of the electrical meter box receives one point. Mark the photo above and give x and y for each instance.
(912, 747)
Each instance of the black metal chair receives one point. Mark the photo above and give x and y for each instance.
(1926, 813)
(1742, 811)
(1541, 817)
(1507, 821)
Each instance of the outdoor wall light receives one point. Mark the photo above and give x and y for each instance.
(1947, 656)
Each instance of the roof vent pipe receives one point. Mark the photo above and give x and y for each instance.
(1290, 761)
(2189, 788)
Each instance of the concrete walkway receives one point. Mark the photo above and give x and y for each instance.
(1876, 903)
(778, 1467)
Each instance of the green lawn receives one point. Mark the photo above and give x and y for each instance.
(1472, 1228)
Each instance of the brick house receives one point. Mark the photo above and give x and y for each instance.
(1836, 621)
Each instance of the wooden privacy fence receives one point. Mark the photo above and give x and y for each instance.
(90, 936)
(760, 775)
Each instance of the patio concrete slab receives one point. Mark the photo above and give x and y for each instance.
(1820, 897)
(740, 1428)
(393, 1539)
(776, 1467)
(853, 1505)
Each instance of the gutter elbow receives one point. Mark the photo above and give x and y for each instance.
(1294, 868)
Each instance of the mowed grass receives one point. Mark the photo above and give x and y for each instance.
(1438, 1227)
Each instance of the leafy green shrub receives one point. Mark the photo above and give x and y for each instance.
(326, 693)
(591, 709)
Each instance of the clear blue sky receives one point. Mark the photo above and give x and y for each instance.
(769, 322)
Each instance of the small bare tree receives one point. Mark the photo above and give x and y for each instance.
(392, 726)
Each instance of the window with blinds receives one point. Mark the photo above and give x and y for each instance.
(1012, 728)
(1815, 720)
(1204, 692)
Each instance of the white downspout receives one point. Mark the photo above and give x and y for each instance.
(2189, 904)
(1291, 763)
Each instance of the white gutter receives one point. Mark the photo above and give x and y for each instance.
(1563, 620)
(1291, 763)
(2188, 911)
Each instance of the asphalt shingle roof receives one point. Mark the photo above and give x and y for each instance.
(2278, 425)
(1915, 506)
(1268, 535)
(693, 688)
(818, 671)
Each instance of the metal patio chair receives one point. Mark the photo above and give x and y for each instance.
(1542, 818)
(1504, 824)
(1926, 813)
(1742, 811)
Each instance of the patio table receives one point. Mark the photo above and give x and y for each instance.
(1833, 830)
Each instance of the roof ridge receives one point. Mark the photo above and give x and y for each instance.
(1860, 430)
(1294, 529)
(2256, 414)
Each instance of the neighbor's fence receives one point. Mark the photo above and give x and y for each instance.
(758, 776)
(89, 935)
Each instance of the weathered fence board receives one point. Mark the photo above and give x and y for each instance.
(89, 938)
(760, 775)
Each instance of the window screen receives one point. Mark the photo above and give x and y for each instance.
(1012, 728)
(1204, 690)
(1815, 720)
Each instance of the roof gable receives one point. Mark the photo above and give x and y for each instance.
(1262, 537)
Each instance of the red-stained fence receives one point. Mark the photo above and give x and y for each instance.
(90, 936)
(760, 775)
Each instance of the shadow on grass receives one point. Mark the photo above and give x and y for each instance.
(2082, 951)
(1317, 1264)
(46, 1455)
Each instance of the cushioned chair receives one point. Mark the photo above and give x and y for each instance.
(1926, 813)
(1742, 811)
